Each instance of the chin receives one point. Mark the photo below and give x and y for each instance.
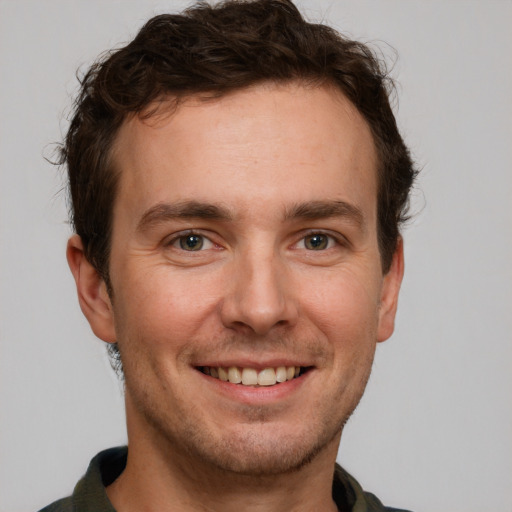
(254, 452)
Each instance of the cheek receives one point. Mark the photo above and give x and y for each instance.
(344, 308)
(342, 300)
(163, 308)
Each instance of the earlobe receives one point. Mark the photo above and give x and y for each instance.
(389, 294)
(92, 292)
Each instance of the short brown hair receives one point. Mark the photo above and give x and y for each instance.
(213, 50)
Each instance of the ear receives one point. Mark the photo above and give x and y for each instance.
(92, 292)
(389, 294)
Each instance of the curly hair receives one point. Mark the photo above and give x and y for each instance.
(213, 50)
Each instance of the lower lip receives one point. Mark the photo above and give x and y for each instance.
(256, 394)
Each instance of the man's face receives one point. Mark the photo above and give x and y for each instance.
(245, 237)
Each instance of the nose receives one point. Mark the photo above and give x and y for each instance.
(259, 296)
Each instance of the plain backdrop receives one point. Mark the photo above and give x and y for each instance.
(434, 430)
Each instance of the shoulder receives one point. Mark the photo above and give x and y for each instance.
(89, 494)
(374, 504)
(348, 491)
(63, 505)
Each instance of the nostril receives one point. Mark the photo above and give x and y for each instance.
(258, 300)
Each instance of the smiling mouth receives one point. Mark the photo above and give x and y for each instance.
(253, 377)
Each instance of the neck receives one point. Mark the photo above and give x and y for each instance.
(160, 477)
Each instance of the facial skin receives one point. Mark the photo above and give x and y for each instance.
(258, 178)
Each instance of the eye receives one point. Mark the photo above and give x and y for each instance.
(318, 242)
(192, 242)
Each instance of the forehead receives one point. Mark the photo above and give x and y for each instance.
(268, 144)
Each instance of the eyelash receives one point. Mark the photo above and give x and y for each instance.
(183, 235)
(337, 240)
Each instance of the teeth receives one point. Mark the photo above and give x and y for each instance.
(251, 377)
(234, 375)
(267, 377)
(281, 374)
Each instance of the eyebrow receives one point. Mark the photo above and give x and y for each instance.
(163, 212)
(312, 210)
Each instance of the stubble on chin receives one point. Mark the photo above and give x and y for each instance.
(252, 454)
(252, 447)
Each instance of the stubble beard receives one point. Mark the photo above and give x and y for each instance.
(254, 454)
(250, 450)
(252, 446)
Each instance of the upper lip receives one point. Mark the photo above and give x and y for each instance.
(252, 363)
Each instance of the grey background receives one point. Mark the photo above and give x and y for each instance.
(433, 432)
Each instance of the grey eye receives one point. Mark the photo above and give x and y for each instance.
(316, 242)
(191, 242)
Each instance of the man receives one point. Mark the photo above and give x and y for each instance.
(237, 184)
